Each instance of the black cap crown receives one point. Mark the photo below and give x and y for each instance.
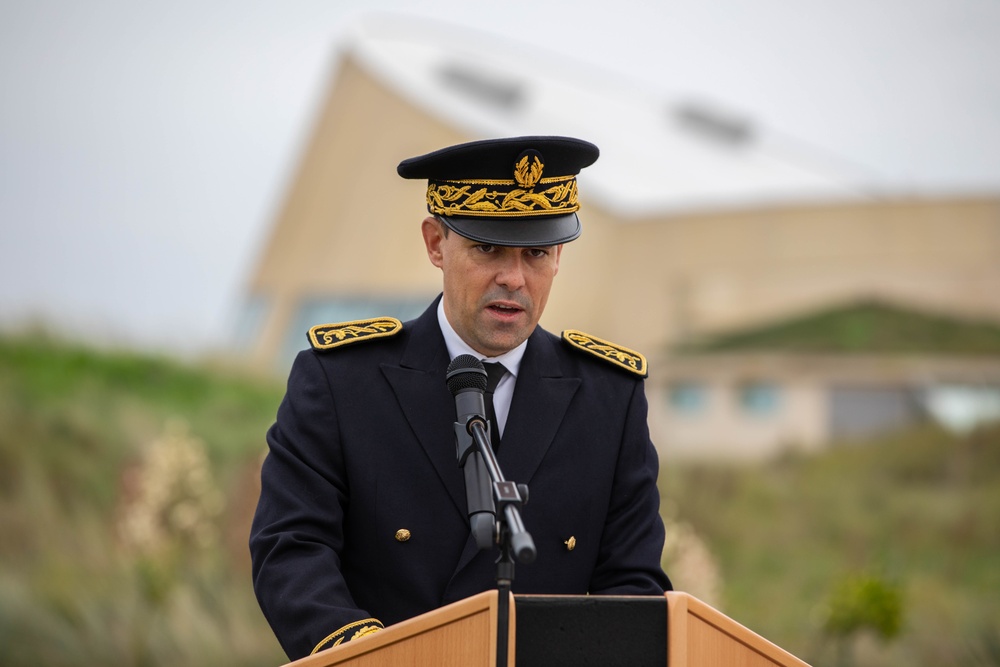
(519, 191)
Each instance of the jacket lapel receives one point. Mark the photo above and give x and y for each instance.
(530, 430)
(419, 385)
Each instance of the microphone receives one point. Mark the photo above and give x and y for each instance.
(466, 378)
(467, 381)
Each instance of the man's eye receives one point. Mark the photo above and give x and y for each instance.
(485, 247)
(538, 252)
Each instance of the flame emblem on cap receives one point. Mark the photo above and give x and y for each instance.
(528, 169)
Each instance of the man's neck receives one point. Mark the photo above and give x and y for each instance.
(456, 345)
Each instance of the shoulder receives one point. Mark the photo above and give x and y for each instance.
(326, 337)
(620, 357)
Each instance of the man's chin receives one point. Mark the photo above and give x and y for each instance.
(502, 342)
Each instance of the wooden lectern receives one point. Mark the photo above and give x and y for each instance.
(676, 631)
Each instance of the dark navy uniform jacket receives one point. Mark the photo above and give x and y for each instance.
(363, 447)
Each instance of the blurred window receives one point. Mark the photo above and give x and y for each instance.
(961, 408)
(687, 397)
(250, 320)
(474, 83)
(760, 398)
(865, 411)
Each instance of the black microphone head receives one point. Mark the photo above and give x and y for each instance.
(466, 372)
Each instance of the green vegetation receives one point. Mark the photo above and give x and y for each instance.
(127, 484)
(885, 550)
(863, 603)
(865, 327)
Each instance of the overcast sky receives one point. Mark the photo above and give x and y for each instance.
(145, 147)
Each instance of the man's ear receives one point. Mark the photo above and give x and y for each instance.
(433, 237)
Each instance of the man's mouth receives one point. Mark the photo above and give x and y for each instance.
(504, 309)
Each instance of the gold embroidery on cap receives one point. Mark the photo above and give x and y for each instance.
(570, 543)
(527, 173)
(628, 359)
(329, 336)
(402, 535)
(499, 198)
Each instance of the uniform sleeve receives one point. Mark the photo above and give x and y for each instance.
(297, 535)
(632, 543)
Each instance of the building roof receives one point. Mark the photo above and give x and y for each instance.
(659, 155)
(865, 327)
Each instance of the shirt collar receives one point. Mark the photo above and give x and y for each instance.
(456, 346)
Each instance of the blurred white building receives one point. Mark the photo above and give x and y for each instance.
(848, 373)
(695, 219)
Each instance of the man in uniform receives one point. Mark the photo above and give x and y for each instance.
(362, 520)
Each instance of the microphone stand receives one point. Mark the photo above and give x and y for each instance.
(515, 542)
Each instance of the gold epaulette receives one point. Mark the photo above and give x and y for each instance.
(329, 336)
(622, 357)
(359, 628)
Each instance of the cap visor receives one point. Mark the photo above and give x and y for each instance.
(520, 232)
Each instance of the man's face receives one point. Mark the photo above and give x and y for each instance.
(493, 295)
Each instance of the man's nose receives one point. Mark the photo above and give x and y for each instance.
(511, 273)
